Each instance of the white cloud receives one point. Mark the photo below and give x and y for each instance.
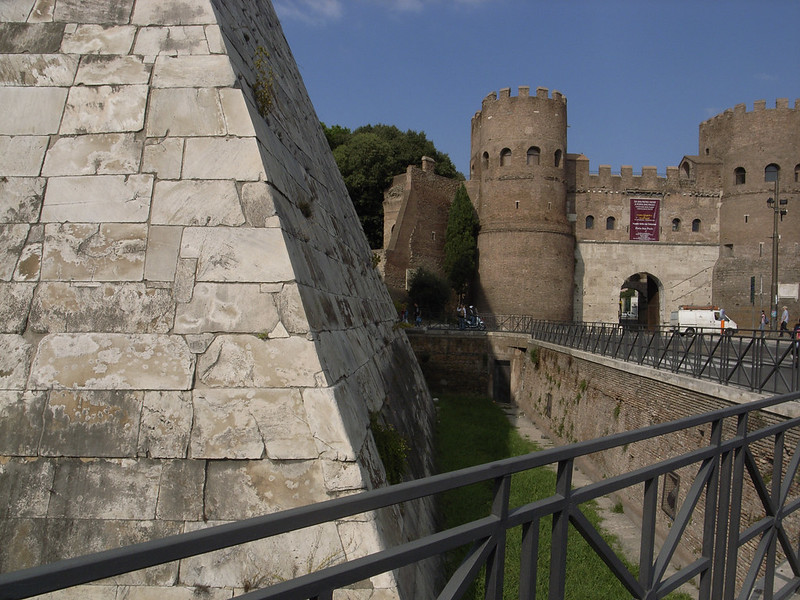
(315, 12)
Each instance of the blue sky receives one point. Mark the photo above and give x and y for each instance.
(639, 76)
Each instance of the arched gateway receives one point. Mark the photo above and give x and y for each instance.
(640, 301)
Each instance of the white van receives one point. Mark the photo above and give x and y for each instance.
(688, 320)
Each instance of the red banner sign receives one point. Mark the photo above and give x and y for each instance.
(644, 219)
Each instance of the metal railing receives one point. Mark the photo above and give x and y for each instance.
(748, 359)
(736, 547)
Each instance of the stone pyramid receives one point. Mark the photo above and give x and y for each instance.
(193, 331)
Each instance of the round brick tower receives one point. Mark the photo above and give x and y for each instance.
(749, 147)
(518, 185)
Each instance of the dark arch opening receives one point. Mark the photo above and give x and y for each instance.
(640, 302)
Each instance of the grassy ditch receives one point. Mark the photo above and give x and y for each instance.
(473, 430)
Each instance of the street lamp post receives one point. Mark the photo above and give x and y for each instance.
(777, 205)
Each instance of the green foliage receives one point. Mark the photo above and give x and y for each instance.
(461, 242)
(533, 354)
(430, 291)
(369, 157)
(263, 89)
(392, 448)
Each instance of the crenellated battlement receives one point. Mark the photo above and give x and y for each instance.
(759, 106)
(524, 91)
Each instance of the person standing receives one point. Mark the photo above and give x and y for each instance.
(785, 321)
(763, 322)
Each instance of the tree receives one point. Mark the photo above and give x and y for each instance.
(369, 157)
(461, 242)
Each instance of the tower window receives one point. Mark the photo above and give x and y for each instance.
(797, 174)
(611, 222)
(485, 160)
(516, 204)
(771, 172)
(696, 225)
(557, 158)
(433, 236)
(676, 224)
(589, 222)
(505, 157)
(533, 156)
(740, 175)
(746, 218)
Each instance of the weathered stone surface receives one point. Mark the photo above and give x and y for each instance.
(198, 202)
(238, 119)
(184, 112)
(88, 252)
(257, 203)
(74, 537)
(23, 539)
(266, 561)
(141, 592)
(91, 423)
(15, 10)
(184, 279)
(15, 357)
(240, 308)
(166, 424)
(112, 361)
(29, 264)
(246, 361)
(266, 487)
(173, 12)
(104, 108)
(120, 70)
(238, 254)
(30, 38)
(341, 476)
(339, 425)
(163, 157)
(20, 199)
(172, 41)
(98, 198)
(25, 485)
(12, 240)
(163, 246)
(42, 11)
(20, 424)
(224, 427)
(223, 158)
(15, 300)
(291, 311)
(248, 420)
(16, 118)
(22, 155)
(96, 154)
(193, 71)
(37, 69)
(122, 307)
(99, 39)
(105, 489)
(94, 11)
(180, 495)
(216, 45)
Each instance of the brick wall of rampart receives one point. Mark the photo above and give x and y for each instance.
(575, 399)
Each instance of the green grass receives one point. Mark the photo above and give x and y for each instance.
(473, 430)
